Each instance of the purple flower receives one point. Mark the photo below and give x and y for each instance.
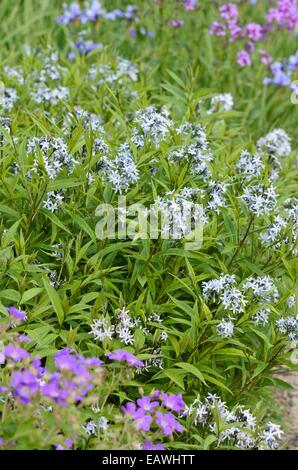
(146, 404)
(293, 62)
(235, 31)
(14, 353)
(71, 13)
(168, 423)
(148, 445)
(229, 11)
(15, 313)
(68, 443)
(254, 31)
(24, 339)
(125, 356)
(285, 15)
(25, 385)
(218, 29)
(142, 421)
(55, 392)
(85, 47)
(129, 409)
(190, 5)
(265, 57)
(243, 58)
(250, 47)
(279, 77)
(177, 23)
(173, 402)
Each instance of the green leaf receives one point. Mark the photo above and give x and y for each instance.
(55, 300)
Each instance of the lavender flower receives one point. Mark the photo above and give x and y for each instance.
(125, 356)
(168, 423)
(17, 314)
(148, 445)
(243, 58)
(15, 353)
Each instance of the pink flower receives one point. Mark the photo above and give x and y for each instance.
(254, 31)
(177, 23)
(265, 57)
(243, 58)
(235, 31)
(250, 47)
(228, 11)
(218, 29)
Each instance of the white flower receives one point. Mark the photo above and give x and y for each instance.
(8, 97)
(273, 232)
(250, 165)
(261, 316)
(225, 328)
(217, 196)
(262, 288)
(103, 423)
(260, 199)
(120, 172)
(164, 336)
(151, 124)
(221, 102)
(90, 428)
(44, 94)
(289, 326)
(271, 434)
(276, 142)
(54, 200)
(291, 301)
(101, 329)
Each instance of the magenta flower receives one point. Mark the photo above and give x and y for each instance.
(168, 423)
(14, 353)
(173, 402)
(254, 31)
(243, 58)
(15, 313)
(148, 445)
(125, 356)
(229, 11)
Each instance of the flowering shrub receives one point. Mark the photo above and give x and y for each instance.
(135, 338)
